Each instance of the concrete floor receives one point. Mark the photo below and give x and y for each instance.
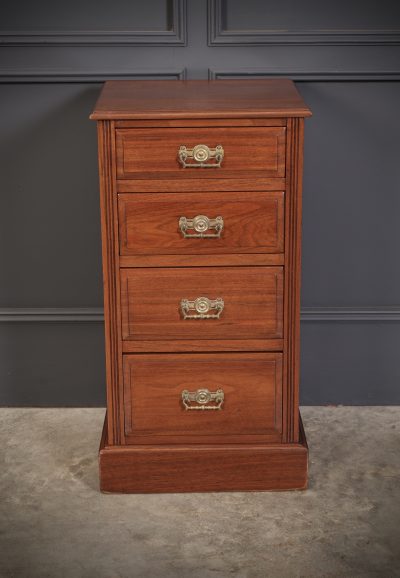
(54, 522)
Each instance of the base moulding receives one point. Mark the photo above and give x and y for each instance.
(201, 468)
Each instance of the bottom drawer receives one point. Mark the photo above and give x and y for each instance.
(203, 398)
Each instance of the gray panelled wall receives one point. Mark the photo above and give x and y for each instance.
(345, 59)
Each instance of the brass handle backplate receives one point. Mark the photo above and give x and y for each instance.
(200, 157)
(202, 306)
(201, 225)
(202, 397)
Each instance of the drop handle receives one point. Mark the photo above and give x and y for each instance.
(201, 227)
(202, 399)
(201, 157)
(203, 307)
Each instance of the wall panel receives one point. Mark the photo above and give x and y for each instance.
(94, 22)
(345, 60)
(288, 22)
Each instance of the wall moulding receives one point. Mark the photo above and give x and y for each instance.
(306, 76)
(218, 35)
(95, 314)
(174, 35)
(59, 75)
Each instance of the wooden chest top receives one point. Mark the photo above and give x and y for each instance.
(137, 99)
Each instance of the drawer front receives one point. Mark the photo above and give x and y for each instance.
(209, 223)
(156, 153)
(202, 303)
(241, 397)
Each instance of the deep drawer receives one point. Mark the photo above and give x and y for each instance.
(241, 397)
(209, 223)
(158, 153)
(202, 303)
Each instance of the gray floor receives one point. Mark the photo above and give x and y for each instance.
(54, 522)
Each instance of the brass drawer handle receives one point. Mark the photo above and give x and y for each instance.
(201, 154)
(202, 397)
(202, 306)
(201, 224)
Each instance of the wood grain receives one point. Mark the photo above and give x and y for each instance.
(201, 345)
(200, 122)
(165, 99)
(251, 412)
(110, 278)
(199, 186)
(196, 260)
(293, 276)
(205, 468)
(149, 223)
(253, 296)
(153, 153)
(150, 443)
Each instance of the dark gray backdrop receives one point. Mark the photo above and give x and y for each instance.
(345, 59)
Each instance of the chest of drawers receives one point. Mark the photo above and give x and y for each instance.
(201, 213)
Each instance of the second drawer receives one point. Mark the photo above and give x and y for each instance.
(194, 223)
(202, 303)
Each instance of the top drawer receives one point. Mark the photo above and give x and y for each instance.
(157, 153)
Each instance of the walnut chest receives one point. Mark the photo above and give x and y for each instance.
(201, 215)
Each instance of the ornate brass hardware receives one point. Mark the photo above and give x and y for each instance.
(202, 306)
(202, 397)
(201, 224)
(201, 154)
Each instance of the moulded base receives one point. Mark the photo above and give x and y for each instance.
(203, 468)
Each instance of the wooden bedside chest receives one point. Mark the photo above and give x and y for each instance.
(201, 215)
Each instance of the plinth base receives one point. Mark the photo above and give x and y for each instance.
(202, 468)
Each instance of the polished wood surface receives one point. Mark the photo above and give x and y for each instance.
(152, 185)
(150, 443)
(169, 99)
(251, 412)
(293, 213)
(198, 122)
(248, 151)
(110, 255)
(203, 468)
(199, 260)
(149, 223)
(253, 296)
(200, 345)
